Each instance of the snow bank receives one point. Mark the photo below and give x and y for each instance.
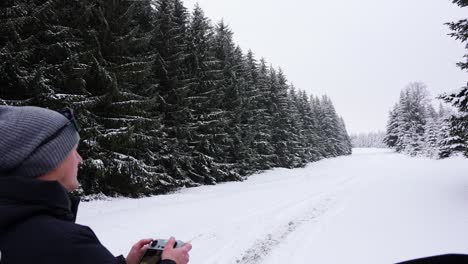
(375, 206)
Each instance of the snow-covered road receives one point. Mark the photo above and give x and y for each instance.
(375, 206)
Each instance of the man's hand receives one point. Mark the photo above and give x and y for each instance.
(179, 255)
(138, 250)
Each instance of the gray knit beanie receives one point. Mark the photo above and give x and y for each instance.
(33, 140)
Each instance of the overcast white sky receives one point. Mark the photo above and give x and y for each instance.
(360, 53)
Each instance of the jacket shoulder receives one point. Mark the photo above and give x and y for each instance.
(45, 227)
(54, 241)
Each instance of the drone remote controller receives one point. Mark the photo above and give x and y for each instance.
(154, 251)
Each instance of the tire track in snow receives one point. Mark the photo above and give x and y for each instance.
(264, 246)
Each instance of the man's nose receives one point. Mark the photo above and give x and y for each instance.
(80, 159)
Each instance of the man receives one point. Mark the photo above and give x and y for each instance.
(38, 167)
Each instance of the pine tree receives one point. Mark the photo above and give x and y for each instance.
(432, 138)
(208, 123)
(296, 143)
(98, 63)
(233, 87)
(330, 127)
(310, 137)
(32, 47)
(125, 138)
(344, 145)
(319, 114)
(213, 135)
(249, 110)
(204, 77)
(391, 137)
(280, 126)
(239, 128)
(170, 44)
(405, 130)
(262, 118)
(457, 133)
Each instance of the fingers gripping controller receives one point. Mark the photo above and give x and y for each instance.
(160, 244)
(154, 252)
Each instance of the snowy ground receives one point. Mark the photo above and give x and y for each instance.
(372, 207)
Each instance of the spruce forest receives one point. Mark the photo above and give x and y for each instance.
(415, 127)
(165, 99)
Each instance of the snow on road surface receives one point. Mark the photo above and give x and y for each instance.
(374, 206)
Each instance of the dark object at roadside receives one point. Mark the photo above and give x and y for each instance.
(442, 259)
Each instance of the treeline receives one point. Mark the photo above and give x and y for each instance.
(165, 98)
(414, 126)
(368, 140)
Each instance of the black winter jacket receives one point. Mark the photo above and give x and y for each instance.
(37, 225)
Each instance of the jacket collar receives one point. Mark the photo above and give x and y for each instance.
(33, 196)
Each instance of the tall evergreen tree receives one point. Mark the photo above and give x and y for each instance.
(98, 63)
(249, 110)
(170, 44)
(319, 114)
(310, 137)
(458, 129)
(344, 146)
(296, 146)
(124, 139)
(164, 99)
(432, 137)
(261, 118)
(329, 127)
(233, 88)
(405, 130)
(280, 125)
(391, 137)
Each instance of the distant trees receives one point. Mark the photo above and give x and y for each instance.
(165, 98)
(368, 140)
(414, 126)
